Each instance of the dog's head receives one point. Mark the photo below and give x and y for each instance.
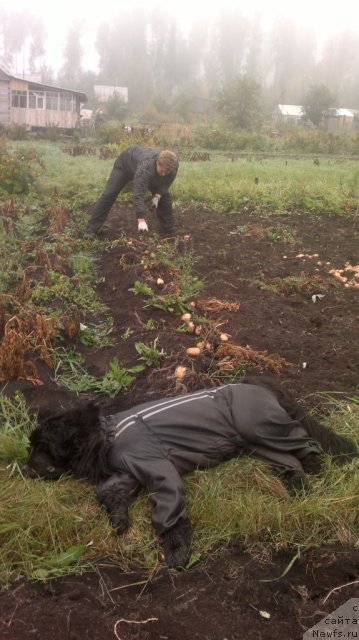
(55, 443)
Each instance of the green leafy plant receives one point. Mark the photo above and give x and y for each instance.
(118, 378)
(74, 291)
(71, 372)
(150, 325)
(279, 234)
(141, 288)
(188, 288)
(97, 336)
(150, 354)
(127, 334)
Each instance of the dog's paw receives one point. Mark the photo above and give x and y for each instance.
(120, 522)
(177, 545)
(313, 463)
(295, 482)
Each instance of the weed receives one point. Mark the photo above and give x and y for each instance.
(150, 325)
(171, 302)
(73, 291)
(97, 336)
(279, 234)
(82, 263)
(127, 334)
(71, 372)
(141, 288)
(118, 378)
(241, 229)
(150, 354)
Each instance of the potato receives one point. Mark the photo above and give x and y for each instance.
(193, 351)
(180, 372)
(186, 317)
(224, 337)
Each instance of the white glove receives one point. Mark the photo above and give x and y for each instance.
(154, 203)
(142, 225)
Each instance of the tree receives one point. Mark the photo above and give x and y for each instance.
(19, 31)
(37, 48)
(230, 42)
(293, 51)
(317, 101)
(116, 108)
(71, 71)
(122, 48)
(240, 103)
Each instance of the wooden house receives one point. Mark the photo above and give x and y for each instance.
(35, 105)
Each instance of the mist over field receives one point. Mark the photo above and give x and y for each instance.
(164, 57)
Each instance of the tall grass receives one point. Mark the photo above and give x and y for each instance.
(41, 521)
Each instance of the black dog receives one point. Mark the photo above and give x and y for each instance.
(154, 444)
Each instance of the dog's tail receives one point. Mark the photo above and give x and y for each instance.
(339, 447)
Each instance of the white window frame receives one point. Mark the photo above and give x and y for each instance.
(51, 96)
(39, 99)
(16, 93)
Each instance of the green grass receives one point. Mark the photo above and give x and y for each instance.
(292, 184)
(297, 186)
(53, 528)
(77, 178)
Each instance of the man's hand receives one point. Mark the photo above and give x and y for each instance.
(142, 224)
(154, 202)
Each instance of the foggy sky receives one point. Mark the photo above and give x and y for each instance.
(324, 17)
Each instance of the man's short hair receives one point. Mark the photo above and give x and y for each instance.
(168, 159)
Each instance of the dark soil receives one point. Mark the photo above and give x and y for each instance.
(225, 597)
(275, 268)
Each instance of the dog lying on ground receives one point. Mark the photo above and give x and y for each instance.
(153, 444)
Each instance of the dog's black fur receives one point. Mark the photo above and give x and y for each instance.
(75, 441)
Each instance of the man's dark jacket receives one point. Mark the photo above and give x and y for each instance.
(153, 444)
(139, 165)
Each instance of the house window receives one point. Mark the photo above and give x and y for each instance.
(67, 102)
(52, 100)
(19, 99)
(36, 99)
